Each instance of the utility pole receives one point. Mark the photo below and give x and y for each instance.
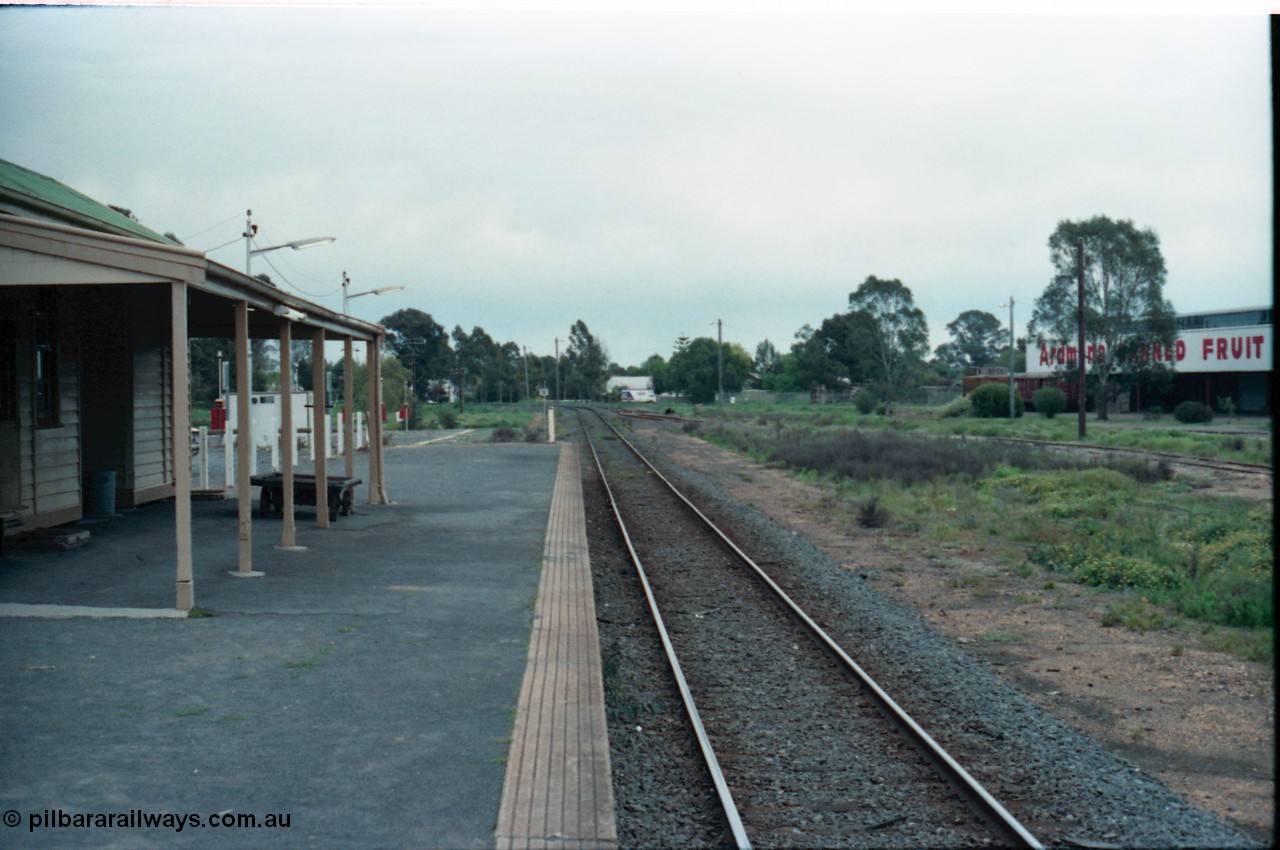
(1080, 368)
(1011, 408)
(557, 368)
(526, 371)
(412, 347)
(719, 364)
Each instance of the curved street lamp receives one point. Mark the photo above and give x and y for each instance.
(346, 283)
(251, 229)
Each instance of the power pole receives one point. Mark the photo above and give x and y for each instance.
(719, 363)
(557, 368)
(526, 372)
(1011, 409)
(1080, 369)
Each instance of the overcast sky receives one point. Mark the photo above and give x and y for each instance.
(650, 172)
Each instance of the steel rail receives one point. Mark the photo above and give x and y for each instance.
(727, 804)
(954, 770)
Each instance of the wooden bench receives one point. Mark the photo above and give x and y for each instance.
(271, 501)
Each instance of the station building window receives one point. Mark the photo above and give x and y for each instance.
(47, 391)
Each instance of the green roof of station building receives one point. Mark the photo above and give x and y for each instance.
(25, 192)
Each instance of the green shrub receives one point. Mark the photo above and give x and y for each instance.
(1104, 569)
(1136, 614)
(872, 514)
(991, 401)
(955, 408)
(865, 401)
(1190, 412)
(1049, 401)
(447, 417)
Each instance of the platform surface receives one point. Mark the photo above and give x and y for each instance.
(558, 791)
(365, 686)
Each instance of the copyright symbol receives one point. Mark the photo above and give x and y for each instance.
(12, 818)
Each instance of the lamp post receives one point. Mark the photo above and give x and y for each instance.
(347, 296)
(251, 230)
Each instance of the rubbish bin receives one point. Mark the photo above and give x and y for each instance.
(100, 493)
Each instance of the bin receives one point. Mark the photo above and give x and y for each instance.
(100, 493)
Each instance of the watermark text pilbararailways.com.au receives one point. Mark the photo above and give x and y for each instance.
(140, 819)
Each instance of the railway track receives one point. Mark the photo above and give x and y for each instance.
(791, 729)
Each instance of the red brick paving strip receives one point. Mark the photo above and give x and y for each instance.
(558, 790)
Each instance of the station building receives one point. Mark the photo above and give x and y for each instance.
(96, 312)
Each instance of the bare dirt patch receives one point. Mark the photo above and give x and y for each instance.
(1200, 720)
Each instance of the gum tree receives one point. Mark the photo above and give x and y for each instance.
(976, 337)
(1125, 309)
(894, 328)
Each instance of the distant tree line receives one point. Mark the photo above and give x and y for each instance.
(879, 342)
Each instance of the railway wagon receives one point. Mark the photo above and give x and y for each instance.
(1025, 386)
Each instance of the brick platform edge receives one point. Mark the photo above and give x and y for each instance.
(558, 790)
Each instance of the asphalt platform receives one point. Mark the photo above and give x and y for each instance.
(365, 688)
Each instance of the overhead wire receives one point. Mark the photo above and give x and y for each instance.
(293, 285)
(214, 227)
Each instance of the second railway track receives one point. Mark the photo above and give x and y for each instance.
(804, 747)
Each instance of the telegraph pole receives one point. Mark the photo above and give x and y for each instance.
(719, 361)
(526, 372)
(557, 368)
(1010, 359)
(1080, 369)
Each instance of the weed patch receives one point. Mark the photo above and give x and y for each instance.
(872, 514)
(1137, 614)
(1114, 523)
(1000, 637)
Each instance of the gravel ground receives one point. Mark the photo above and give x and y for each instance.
(1059, 783)
(809, 757)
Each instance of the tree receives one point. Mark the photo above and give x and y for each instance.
(655, 367)
(976, 337)
(421, 344)
(949, 360)
(394, 378)
(204, 367)
(1126, 313)
(896, 331)
(767, 361)
(695, 369)
(811, 362)
(476, 361)
(587, 364)
(786, 379)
